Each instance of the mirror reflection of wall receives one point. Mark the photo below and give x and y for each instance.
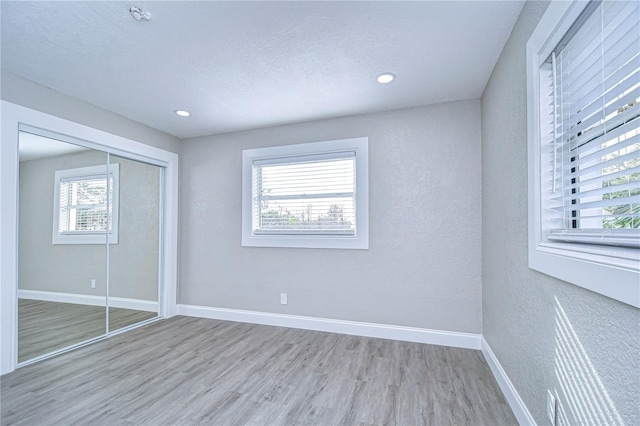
(134, 261)
(67, 274)
(61, 287)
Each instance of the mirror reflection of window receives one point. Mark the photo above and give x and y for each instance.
(81, 208)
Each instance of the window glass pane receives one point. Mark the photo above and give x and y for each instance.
(305, 197)
(621, 183)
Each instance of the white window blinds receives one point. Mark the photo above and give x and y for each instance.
(308, 194)
(83, 204)
(593, 80)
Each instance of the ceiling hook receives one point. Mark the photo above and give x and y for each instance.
(139, 13)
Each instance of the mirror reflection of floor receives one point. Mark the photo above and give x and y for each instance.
(44, 327)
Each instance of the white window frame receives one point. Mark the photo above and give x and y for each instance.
(86, 237)
(607, 270)
(360, 240)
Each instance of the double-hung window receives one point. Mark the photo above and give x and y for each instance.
(85, 209)
(309, 195)
(583, 66)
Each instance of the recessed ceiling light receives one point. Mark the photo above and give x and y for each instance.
(386, 77)
(182, 113)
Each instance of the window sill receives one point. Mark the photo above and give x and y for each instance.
(306, 241)
(612, 272)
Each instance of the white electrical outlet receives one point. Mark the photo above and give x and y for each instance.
(551, 407)
(283, 298)
(93, 283)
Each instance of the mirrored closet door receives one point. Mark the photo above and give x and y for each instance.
(88, 243)
(134, 262)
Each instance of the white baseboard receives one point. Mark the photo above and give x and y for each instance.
(136, 304)
(516, 403)
(86, 299)
(383, 331)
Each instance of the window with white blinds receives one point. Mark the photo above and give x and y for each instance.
(583, 133)
(308, 195)
(592, 81)
(85, 210)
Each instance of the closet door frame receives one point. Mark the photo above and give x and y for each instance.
(13, 117)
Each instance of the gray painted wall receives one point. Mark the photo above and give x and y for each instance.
(69, 268)
(423, 267)
(546, 333)
(32, 95)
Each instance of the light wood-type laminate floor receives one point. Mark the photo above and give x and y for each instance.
(184, 371)
(44, 327)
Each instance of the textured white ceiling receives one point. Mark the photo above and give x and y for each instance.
(242, 65)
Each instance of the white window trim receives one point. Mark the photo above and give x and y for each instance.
(86, 237)
(610, 271)
(358, 241)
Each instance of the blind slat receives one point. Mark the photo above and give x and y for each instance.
(587, 152)
(617, 68)
(599, 116)
(616, 46)
(598, 167)
(587, 44)
(610, 176)
(600, 94)
(628, 118)
(606, 190)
